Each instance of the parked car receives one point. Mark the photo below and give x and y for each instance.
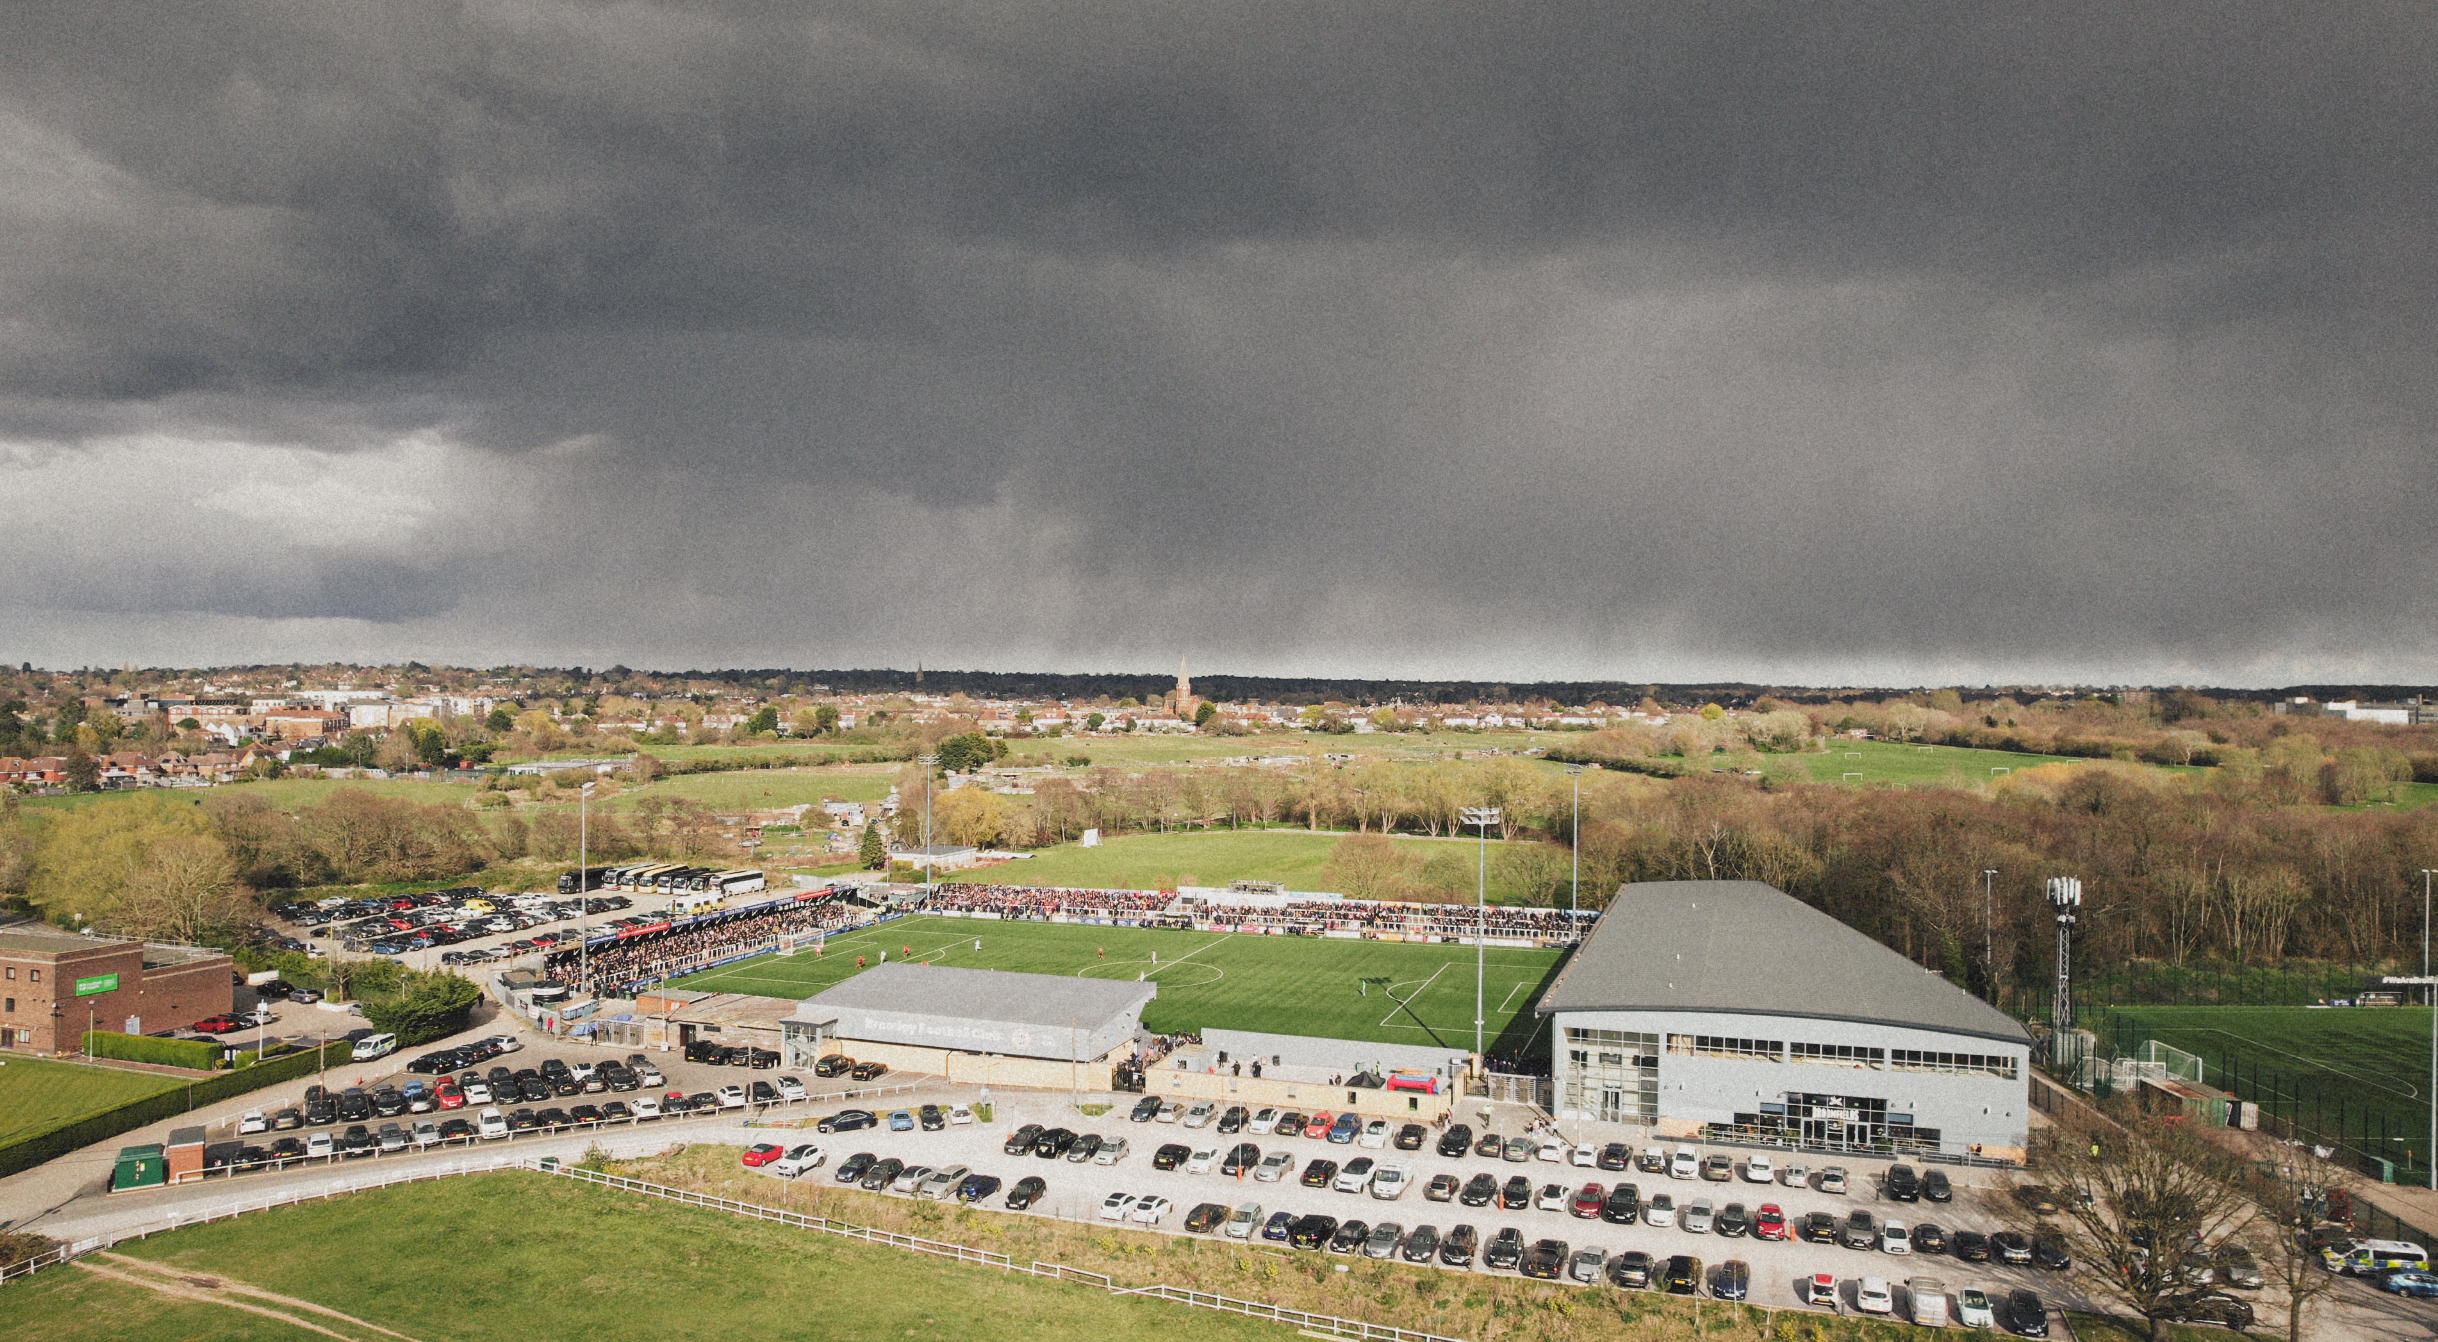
(1632, 1270)
(1732, 1280)
(1021, 1140)
(2026, 1314)
(1586, 1264)
(1422, 1245)
(1505, 1251)
(1027, 1191)
(1383, 1241)
(1872, 1296)
(1243, 1221)
(1616, 1156)
(1935, 1186)
(1205, 1218)
(799, 1159)
(1859, 1230)
(1972, 1309)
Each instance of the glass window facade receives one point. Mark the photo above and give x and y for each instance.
(1611, 1075)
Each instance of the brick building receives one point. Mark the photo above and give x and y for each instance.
(52, 983)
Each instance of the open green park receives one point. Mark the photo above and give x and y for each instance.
(1382, 991)
(1290, 857)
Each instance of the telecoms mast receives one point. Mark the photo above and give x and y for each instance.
(2065, 895)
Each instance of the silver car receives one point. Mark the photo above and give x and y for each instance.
(1385, 1237)
(1274, 1166)
(941, 1182)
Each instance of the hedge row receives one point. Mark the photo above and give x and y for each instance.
(199, 1055)
(51, 1143)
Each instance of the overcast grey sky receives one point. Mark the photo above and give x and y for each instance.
(1878, 343)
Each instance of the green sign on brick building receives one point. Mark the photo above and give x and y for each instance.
(99, 983)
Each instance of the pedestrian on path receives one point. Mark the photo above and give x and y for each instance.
(859, 962)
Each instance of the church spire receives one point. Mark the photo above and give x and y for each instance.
(1185, 686)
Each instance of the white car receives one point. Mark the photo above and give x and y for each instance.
(1871, 1296)
(1697, 1217)
(1150, 1210)
(797, 1160)
(253, 1121)
(650, 1076)
(789, 1088)
(1263, 1124)
(1375, 1135)
(1242, 1222)
(1553, 1198)
(1972, 1309)
(1797, 1175)
(646, 1109)
(1757, 1169)
(1685, 1164)
(321, 1144)
(1169, 1113)
(1894, 1237)
(1660, 1211)
(960, 1114)
(1200, 1114)
(426, 1132)
(1116, 1206)
(1111, 1151)
(1586, 1156)
(490, 1123)
(1552, 1150)
(581, 1069)
(1200, 1162)
(732, 1097)
(1274, 1166)
(1357, 1175)
(476, 1092)
(1388, 1181)
(257, 1016)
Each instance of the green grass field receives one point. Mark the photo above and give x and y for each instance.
(1890, 762)
(1164, 861)
(1384, 991)
(36, 1094)
(2362, 1072)
(517, 1257)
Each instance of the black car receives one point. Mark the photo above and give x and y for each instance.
(1545, 1259)
(616, 1112)
(1456, 1141)
(1479, 1190)
(1409, 1137)
(854, 1167)
(977, 1187)
(1021, 1140)
(357, 1141)
(2026, 1314)
(1243, 1158)
(354, 1106)
(287, 1149)
(522, 1120)
(2212, 1307)
(555, 1118)
(452, 1130)
(1205, 1218)
(762, 1092)
(848, 1120)
(1349, 1237)
(585, 1113)
(1145, 1109)
(1504, 1251)
(1935, 1186)
(931, 1116)
(1623, 1205)
(1901, 1184)
(1616, 1156)
(1683, 1275)
(1320, 1173)
(1421, 1246)
(1630, 1270)
(2049, 1252)
(881, 1175)
(532, 1089)
(1818, 1228)
(1027, 1191)
(836, 1064)
(1971, 1246)
(1458, 1248)
(1087, 1145)
(1170, 1156)
(1732, 1221)
(1311, 1231)
(565, 1085)
(1053, 1143)
(1233, 1121)
(761, 1058)
(1515, 1194)
(1732, 1281)
(868, 1071)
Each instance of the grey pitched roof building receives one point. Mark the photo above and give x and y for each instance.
(1057, 1016)
(1745, 948)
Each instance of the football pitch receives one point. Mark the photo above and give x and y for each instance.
(1383, 991)
(2359, 1073)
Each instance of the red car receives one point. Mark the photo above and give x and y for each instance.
(1318, 1126)
(762, 1153)
(446, 1094)
(218, 1025)
(1588, 1202)
(1769, 1222)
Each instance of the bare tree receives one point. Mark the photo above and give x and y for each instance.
(185, 888)
(2292, 1191)
(2148, 1203)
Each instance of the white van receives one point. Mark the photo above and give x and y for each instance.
(2368, 1257)
(374, 1046)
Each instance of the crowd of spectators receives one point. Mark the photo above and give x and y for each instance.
(1155, 908)
(637, 962)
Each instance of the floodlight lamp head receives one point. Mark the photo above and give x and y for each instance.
(2065, 892)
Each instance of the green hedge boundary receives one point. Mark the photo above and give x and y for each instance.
(75, 1133)
(195, 1055)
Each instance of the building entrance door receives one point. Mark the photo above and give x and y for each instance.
(1612, 1106)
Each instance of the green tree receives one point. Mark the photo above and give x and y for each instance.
(873, 853)
(1093, 723)
(93, 861)
(764, 722)
(433, 1006)
(1204, 714)
(499, 720)
(827, 716)
(81, 772)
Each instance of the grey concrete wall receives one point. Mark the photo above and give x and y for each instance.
(1331, 1055)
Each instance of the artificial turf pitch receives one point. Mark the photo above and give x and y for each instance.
(1383, 991)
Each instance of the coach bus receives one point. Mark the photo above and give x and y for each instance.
(738, 882)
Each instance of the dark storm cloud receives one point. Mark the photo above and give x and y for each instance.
(1875, 340)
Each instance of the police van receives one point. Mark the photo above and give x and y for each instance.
(2367, 1257)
